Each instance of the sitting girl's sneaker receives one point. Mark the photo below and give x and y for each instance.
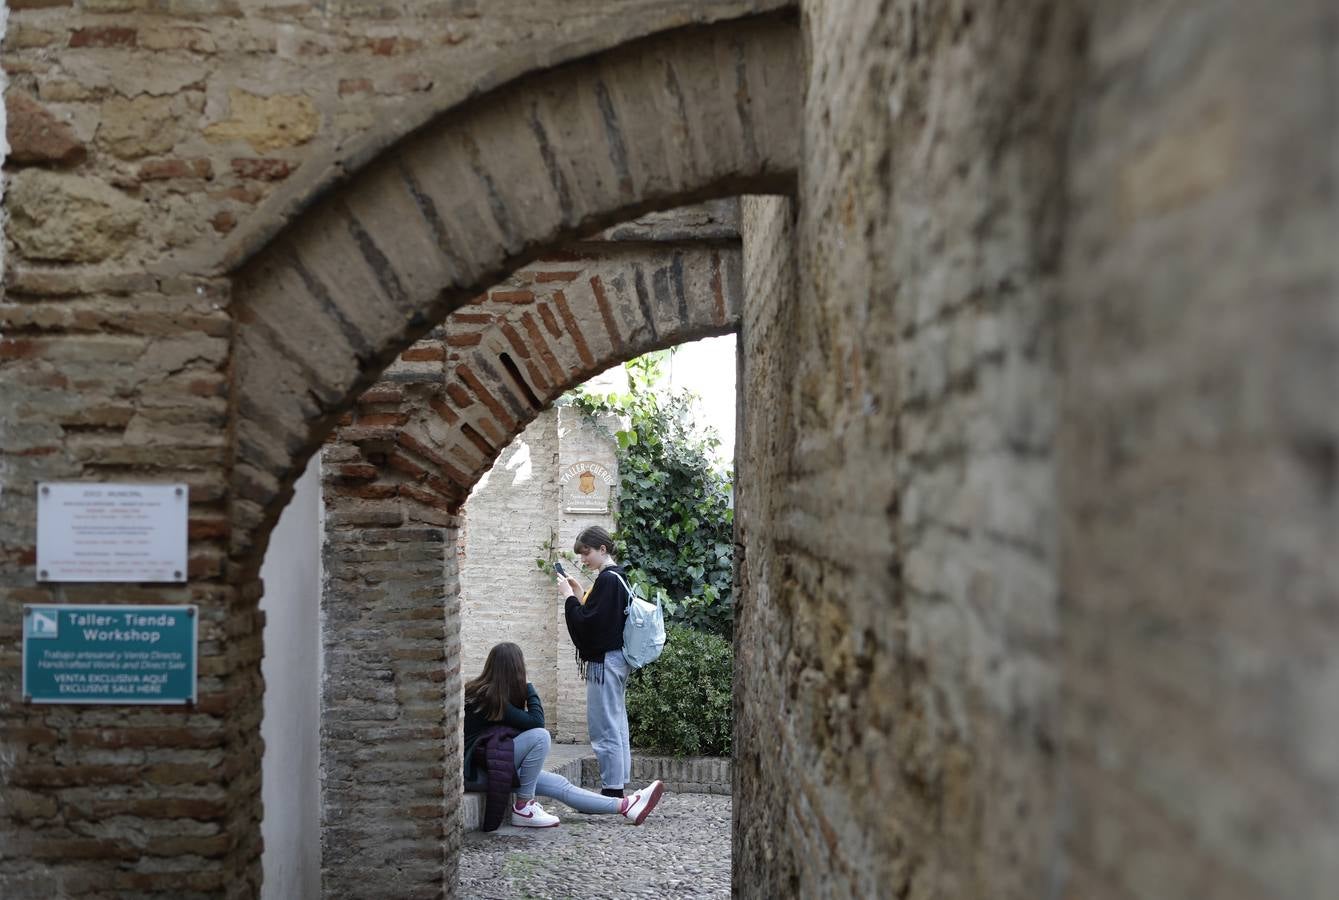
(637, 807)
(532, 815)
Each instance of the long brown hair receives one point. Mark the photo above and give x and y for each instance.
(501, 682)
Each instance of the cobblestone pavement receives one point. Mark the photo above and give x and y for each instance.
(681, 850)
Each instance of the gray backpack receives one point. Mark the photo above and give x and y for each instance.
(643, 629)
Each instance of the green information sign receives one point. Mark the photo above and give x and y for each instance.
(109, 654)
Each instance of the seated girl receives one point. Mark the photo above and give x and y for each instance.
(501, 700)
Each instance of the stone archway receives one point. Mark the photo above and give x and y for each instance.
(439, 217)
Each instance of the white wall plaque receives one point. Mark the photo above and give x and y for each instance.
(111, 532)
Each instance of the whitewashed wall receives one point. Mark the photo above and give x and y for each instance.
(292, 670)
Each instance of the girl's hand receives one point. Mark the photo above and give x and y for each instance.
(564, 589)
(575, 585)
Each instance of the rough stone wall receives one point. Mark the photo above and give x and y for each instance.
(899, 687)
(390, 679)
(165, 131)
(763, 705)
(1045, 565)
(1200, 349)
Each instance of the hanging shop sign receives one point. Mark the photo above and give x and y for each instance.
(109, 654)
(111, 532)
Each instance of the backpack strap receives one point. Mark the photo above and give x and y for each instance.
(627, 606)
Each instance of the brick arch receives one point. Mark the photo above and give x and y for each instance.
(432, 426)
(444, 214)
(395, 473)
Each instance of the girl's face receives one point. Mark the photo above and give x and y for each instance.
(593, 557)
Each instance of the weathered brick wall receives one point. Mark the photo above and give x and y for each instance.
(390, 633)
(899, 686)
(1200, 350)
(1046, 563)
(154, 149)
(194, 129)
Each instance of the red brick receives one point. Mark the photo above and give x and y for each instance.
(349, 86)
(108, 36)
(556, 276)
(465, 374)
(514, 339)
(537, 376)
(404, 464)
(15, 348)
(269, 169)
(478, 440)
(223, 222)
(379, 420)
(459, 396)
(363, 491)
(549, 321)
(360, 471)
(442, 409)
(35, 135)
(415, 446)
(471, 318)
(494, 433)
(465, 340)
(392, 46)
(163, 169)
(512, 296)
(427, 497)
(573, 328)
(424, 354)
(537, 341)
(207, 529)
(411, 83)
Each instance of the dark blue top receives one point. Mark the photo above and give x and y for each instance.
(520, 719)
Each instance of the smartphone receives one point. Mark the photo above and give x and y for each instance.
(558, 567)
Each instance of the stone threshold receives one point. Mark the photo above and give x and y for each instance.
(576, 763)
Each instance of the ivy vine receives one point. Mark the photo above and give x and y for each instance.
(675, 526)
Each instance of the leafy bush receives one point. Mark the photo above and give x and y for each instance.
(680, 703)
(675, 522)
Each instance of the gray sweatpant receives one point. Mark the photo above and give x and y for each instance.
(607, 720)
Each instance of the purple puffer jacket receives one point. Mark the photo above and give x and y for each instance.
(494, 752)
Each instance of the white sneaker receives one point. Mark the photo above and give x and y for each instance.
(532, 815)
(642, 802)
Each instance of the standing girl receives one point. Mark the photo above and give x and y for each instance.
(595, 623)
(500, 699)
